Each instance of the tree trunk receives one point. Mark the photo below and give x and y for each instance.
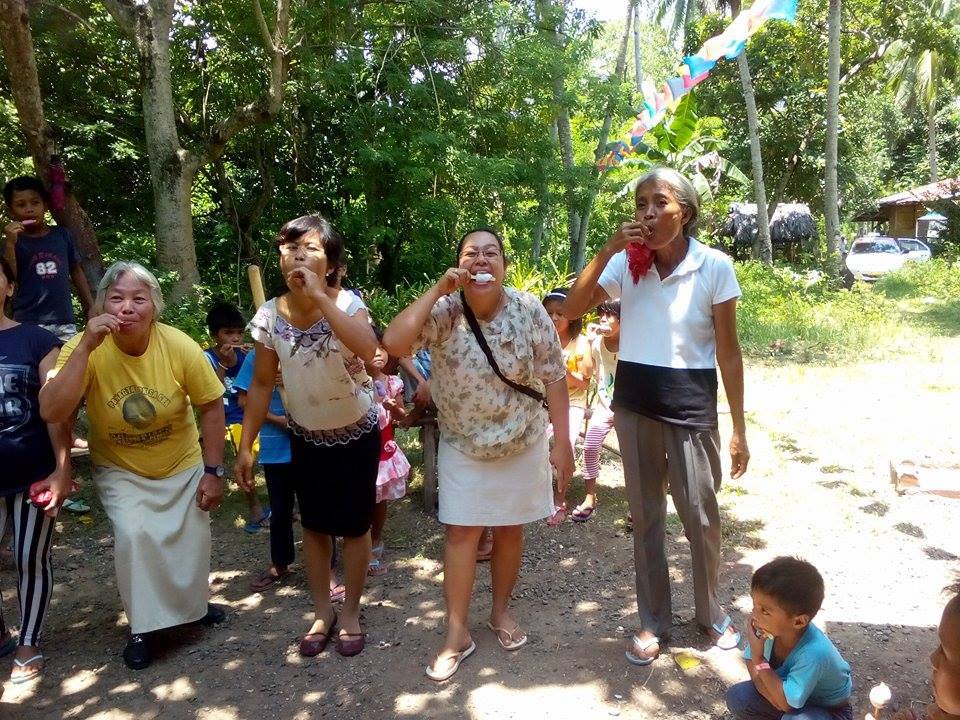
(172, 168)
(17, 43)
(637, 68)
(932, 141)
(831, 193)
(763, 248)
(551, 16)
(596, 179)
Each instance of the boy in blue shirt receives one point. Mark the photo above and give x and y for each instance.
(795, 671)
(44, 259)
(226, 355)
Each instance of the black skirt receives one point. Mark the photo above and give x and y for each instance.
(336, 485)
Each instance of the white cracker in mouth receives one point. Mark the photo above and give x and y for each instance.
(483, 277)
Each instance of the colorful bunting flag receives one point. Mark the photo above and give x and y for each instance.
(696, 68)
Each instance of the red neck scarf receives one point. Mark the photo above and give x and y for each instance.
(639, 260)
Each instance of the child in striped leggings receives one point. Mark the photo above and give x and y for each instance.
(604, 347)
(36, 476)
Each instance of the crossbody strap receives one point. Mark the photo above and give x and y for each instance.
(482, 341)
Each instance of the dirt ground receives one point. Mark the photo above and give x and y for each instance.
(818, 486)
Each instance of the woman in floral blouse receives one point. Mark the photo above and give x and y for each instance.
(319, 336)
(494, 461)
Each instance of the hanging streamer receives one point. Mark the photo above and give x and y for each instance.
(696, 68)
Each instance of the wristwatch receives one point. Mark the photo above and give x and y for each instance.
(216, 470)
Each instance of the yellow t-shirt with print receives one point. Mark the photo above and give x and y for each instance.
(141, 408)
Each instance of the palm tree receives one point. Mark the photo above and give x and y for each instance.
(831, 192)
(918, 74)
(684, 13)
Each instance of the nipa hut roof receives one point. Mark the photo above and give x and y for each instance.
(791, 222)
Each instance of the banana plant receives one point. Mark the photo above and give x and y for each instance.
(690, 144)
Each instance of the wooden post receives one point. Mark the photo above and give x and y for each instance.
(256, 285)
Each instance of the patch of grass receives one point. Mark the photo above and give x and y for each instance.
(785, 315)
(929, 293)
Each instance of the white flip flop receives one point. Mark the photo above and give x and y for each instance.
(22, 664)
(460, 657)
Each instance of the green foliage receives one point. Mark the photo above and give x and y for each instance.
(934, 279)
(783, 314)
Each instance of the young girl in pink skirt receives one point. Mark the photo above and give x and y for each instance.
(394, 466)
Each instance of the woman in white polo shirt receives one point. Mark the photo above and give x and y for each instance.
(678, 323)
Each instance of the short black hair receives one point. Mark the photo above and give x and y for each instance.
(609, 307)
(22, 184)
(794, 583)
(560, 294)
(482, 229)
(223, 315)
(330, 237)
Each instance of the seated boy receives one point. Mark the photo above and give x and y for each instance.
(945, 666)
(795, 671)
(44, 259)
(226, 326)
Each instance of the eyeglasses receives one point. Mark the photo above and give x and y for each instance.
(488, 254)
(291, 248)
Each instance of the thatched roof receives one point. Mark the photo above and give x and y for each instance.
(791, 222)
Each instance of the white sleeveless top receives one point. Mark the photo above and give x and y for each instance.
(329, 396)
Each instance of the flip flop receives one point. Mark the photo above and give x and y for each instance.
(642, 646)
(27, 677)
(266, 579)
(451, 671)
(582, 514)
(485, 548)
(510, 643)
(724, 642)
(75, 506)
(559, 515)
(338, 593)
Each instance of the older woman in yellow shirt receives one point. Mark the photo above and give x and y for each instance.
(141, 380)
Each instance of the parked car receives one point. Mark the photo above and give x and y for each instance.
(915, 249)
(873, 256)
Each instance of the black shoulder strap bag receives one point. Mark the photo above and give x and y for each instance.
(482, 341)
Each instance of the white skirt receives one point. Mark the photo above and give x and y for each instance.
(512, 490)
(161, 545)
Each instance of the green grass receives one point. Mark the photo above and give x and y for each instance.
(782, 315)
(928, 295)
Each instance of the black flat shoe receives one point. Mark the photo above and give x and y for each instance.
(136, 655)
(215, 615)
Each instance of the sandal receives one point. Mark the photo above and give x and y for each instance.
(582, 514)
(377, 566)
(267, 578)
(26, 677)
(451, 671)
(510, 643)
(254, 526)
(724, 641)
(642, 659)
(312, 644)
(338, 592)
(559, 515)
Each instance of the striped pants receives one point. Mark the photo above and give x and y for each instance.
(600, 425)
(32, 540)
